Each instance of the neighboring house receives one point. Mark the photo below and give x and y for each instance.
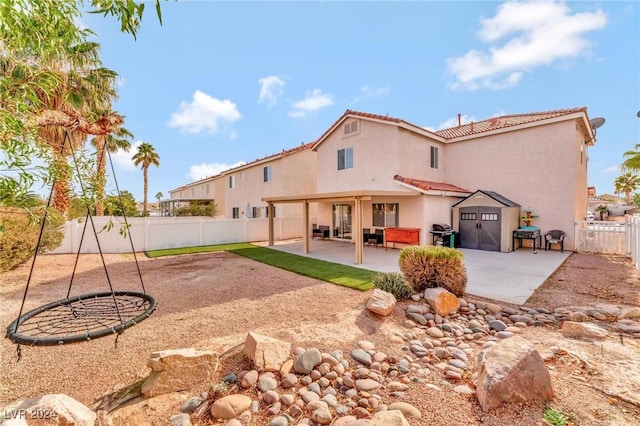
(377, 171)
(238, 192)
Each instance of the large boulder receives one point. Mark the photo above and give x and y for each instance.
(267, 353)
(381, 302)
(511, 371)
(178, 369)
(442, 301)
(50, 410)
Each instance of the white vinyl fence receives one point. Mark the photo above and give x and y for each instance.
(154, 233)
(634, 240)
(602, 237)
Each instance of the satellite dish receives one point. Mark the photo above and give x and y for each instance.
(596, 122)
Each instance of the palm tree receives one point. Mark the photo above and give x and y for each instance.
(626, 183)
(145, 157)
(84, 89)
(159, 196)
(118, 139)
(632, 159)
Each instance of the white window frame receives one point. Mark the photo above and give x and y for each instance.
(347, 158)
(235, 212)
(434, 157)
(232, 181)
(266, 174)
(389, 211)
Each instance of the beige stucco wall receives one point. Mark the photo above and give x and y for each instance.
(538, 168)
(380, 151)
(291, 174)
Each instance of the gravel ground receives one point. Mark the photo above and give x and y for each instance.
(212, 300)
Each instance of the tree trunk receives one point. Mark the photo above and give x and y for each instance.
(145, 171)
(103, 126)
(100, 174)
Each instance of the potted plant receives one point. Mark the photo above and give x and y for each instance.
(528, 217)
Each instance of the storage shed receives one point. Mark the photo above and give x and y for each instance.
(486, 221)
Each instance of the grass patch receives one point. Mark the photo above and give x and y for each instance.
(336, 273)
(556, 417)
(197, 249)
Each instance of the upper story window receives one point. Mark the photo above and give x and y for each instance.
(345, 158)
(193, 191)
(232, 181)
(266, 172)
(434, 157)
(206, 188)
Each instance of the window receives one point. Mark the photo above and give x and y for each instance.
(351, 127)
(206, 188)
(468, 216)
(385, 215)
(266, 172)
(193, 191)
(434, 157)
(232, 182)
(235, 212)
(345, 158)
(256, 212)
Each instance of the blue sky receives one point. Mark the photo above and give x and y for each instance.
(221, 83)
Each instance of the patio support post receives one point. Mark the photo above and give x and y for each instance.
(358, 230)
(305, 224)
(270, 207)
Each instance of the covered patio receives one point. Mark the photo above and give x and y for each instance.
(508, 277)
(356, 198)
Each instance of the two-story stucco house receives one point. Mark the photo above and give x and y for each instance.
(238, 192)
(378, 172)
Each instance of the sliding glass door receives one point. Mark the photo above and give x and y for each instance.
(342, 221)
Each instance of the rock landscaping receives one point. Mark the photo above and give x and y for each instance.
(471, 347)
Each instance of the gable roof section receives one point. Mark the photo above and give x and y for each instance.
(505, 122)
(376, 118)
(494, 195)
(429, 187)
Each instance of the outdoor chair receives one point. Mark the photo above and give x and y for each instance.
(365, 235)
(555, 236)
(376, 238)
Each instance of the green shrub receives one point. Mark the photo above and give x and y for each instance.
(429, 266)
(392, 282)
(19, 235)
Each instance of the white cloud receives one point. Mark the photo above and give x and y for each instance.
(201, 171)
(313, 101)
(270, 89)
(373, 93)
(612, 169)
(204, 113)
(541, 33)
(123, 159)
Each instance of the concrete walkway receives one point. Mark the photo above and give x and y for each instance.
(509, 277)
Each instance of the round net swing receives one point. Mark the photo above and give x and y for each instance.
(82, 317)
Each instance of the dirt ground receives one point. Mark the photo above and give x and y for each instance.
(212, 300)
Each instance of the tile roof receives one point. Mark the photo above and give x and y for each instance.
(426, 185)
(350, 112)
(504, 121)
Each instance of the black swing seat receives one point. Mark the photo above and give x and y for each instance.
(81, 318)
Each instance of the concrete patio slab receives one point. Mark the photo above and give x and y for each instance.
(508, 277)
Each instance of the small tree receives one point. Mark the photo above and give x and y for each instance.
(159, 196)
(602, 209)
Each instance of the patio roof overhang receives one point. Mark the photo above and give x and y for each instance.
(357, 197)
(362, 194)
